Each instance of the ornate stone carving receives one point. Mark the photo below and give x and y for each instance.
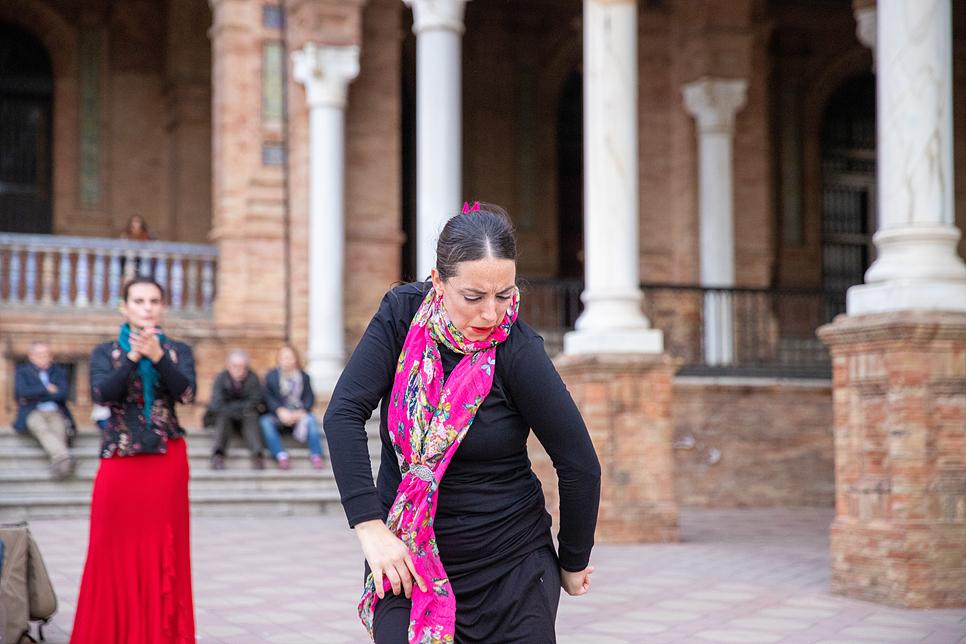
(438, 14)
(714, 102)
(326, 73)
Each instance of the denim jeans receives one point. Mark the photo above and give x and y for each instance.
(270, 426)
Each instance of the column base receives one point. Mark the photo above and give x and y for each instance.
(885, 297)
(911, 565)
(625, 401)
(899, 400)
(918, 269)
(594, 341)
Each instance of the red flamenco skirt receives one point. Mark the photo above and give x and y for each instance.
(136, 587)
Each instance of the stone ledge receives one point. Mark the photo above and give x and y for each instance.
(916, 328)
(601, 366)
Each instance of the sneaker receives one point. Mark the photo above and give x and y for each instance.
(217, 462)
(317, 461)
(258, 463)
(283, 463)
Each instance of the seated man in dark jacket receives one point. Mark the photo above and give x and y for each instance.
(42, 389)
(235, 401)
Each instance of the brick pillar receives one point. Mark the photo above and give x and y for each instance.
(626, 403)
(247, 189)
(899, 382)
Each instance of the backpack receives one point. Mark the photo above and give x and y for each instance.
(25, 589)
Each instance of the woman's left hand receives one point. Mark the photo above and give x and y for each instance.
(576, 583)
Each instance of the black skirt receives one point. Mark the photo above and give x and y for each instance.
(514, 602)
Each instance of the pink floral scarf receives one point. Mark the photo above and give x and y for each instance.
(427, 421)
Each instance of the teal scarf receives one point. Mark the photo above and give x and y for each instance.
(149, 375)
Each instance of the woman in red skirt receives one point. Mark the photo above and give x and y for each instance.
(136, 587)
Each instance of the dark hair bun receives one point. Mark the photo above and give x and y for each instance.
(480, 234)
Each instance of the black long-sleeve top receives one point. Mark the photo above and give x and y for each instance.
(116, 384)
(490, 503)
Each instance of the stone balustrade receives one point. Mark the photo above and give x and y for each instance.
(70, 273)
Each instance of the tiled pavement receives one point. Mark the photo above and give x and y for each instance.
(740, 576)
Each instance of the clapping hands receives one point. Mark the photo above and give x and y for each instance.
(145, 344)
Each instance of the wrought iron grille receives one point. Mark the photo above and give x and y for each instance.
(741, 331)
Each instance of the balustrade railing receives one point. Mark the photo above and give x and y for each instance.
(743, 331)
(76, 273)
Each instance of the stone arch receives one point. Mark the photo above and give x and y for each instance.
(551, 82)
(60, 38)
(50, 28)
(814, 103)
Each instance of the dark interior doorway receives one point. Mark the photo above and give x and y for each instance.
(26, 110)
(408, 149)
(570, 178)
(848, 188)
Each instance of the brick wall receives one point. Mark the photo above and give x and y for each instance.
(626, 403)
(737, 444)
(752, 443)
(153, 114)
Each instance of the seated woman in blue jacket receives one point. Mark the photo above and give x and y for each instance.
(289, 400)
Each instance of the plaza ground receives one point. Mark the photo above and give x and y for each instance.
(757, 576)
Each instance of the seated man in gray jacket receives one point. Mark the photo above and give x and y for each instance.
(236, 399)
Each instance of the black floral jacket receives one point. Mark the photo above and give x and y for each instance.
(115, 383)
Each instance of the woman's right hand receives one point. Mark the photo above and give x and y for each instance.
(388, 557)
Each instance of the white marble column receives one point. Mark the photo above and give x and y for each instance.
(713, 103)
(326, 73)
(438, 25)
(917, 267)
(612, 321)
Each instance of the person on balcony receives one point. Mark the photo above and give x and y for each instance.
(455, 533)
(236, 403)
(136, 587)
(136, 229)
(289, 401)
(42, 390)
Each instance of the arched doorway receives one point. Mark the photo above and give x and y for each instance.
(570, 178)
(848, 188)
(26, 109)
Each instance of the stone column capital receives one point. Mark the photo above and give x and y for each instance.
(326, 72)
(714, 103)
(865, 26)
(438, 14)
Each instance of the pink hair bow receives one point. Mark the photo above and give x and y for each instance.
(467, 208)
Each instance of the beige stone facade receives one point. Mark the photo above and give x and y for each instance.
(186, 113)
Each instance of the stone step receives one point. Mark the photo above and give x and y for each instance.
(29, 457)
(198, 439)
(19, 507)
(204, 481)
(28, 492)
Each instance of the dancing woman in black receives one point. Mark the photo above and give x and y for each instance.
(490, 529)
